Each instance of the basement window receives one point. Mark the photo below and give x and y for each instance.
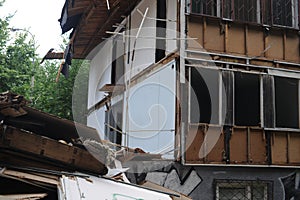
(246, 99)
(204, 96)
(236, 189)
(286, 102)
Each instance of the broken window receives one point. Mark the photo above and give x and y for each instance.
(236, 189)
(286, 102)
(160, 51)
(204, 96)
(118, 62)
(113, 123)
(206, 7)
(246, 99)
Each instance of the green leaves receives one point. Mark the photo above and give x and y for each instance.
(20, 72)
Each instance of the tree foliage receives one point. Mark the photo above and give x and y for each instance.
(56, 97)
(20, 72)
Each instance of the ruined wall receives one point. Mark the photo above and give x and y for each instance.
(216, 35)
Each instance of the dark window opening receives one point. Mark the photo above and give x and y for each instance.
(286, 102)
(113, 123)
(227, 96)
(246, 99)
(206, 7)
(283, 12)
(204, 96)
(161, 30)
(14, 187)
(227, 9)
(118, 65)
(245, 10)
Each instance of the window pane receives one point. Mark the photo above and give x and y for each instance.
(282, 12)
(286, 102)
(207, 7)
(227, 9)
(245, 10)
(232, 194)
(204, 96)
(258, 192)
(247, 99)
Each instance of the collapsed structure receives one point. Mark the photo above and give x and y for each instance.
(211, 84)
(43, 157)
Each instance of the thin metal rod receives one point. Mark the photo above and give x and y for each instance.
(157, 19)
(107, 3)
(148, 37)
(127, 83)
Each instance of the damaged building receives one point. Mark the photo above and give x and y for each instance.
(43, 157)
(212, 86)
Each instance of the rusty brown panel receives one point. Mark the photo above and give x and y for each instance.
(258, 150)
(214, 38)
(236, 39)
(238, 146)
(217, 152)
(194, 140)
(279, 148)
(275, 45)
(292, 47)
(294, 148)
(255, 41)
(195, 30)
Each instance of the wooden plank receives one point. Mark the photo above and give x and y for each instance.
(196, 30)
(292, 47)
(154, 186)
(294, 148)
(279, 148)
(238, 146)
(255, 41)
(214, 39)
(33, 177)
(258, 150)
(194, 139)
(236, 39)
(275, 45)
(48, 149)
(216, 154)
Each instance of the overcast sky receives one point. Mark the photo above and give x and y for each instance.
(40, 17)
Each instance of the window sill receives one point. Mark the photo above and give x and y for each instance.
(283, 129)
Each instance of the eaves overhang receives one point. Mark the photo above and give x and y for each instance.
(90, 19)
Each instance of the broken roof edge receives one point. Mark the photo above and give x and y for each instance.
(86, 36)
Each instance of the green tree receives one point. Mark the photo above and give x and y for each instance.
(56, 97)
(21, 73)
(18, 60)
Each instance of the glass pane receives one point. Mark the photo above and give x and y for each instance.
(232, 194)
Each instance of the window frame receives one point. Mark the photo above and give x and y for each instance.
(220, 93)
(284, 74)
(247, 185)
(264, 13)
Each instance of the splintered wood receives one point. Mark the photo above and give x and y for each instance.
(11, 104)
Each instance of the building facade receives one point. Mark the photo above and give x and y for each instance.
(211, 85)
